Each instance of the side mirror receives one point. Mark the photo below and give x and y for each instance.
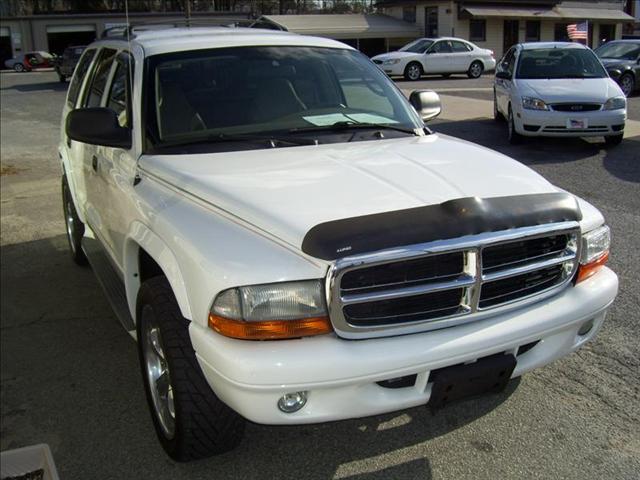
(503, 75)
(97, 126)
(427, 104)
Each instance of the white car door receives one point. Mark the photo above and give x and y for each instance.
(462, 55)
(439, 57)
(503, 86)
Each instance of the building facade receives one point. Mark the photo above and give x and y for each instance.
(498, 24)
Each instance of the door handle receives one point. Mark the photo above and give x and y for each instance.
(94, 163)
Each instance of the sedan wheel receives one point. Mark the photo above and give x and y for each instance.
(627, 84)
(475, 70)
(18, 67)
(413, 71)
(514, 137)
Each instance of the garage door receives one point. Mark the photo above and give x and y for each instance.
(60, 37)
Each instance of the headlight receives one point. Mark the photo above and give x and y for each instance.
(392, 61)
(531, 103)
(615, 103)
(277, 310)
(595, 251)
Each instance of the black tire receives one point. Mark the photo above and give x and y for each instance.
(497, 116)
(73, 224)
(514, 137)
(18, 67)
(613, 140)
(627, 84)
(413, 71)
(204, 425)
(475, 69)
(62, 78)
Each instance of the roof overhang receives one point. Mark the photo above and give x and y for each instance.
(345, 26)
(548, 13)
(594, 14)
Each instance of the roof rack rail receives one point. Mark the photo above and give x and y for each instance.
(132, 28)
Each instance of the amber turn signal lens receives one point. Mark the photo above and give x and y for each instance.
(270, 330)
(589, 269)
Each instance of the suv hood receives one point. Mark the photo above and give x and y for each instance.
(569, 90)
(287, 191)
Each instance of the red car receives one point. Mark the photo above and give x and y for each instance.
(25, 62)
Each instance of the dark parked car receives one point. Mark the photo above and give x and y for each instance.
(621, 58)
(66, 64)
(25, 62)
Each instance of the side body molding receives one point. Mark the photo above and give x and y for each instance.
(140, 236)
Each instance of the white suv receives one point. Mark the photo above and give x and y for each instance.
(289, 243)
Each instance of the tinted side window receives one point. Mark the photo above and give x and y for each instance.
(100, 76)
(442, 47)
(119, 99)
(460, 47)
(78, 77)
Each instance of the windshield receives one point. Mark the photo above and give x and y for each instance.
(554, 63)
(621, 51)
(417, 46)
(226, 93)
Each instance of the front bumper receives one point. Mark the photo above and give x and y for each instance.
(341, 375)
(555, 123)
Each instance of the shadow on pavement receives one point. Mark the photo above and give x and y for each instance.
(36, 87)
(70, 378)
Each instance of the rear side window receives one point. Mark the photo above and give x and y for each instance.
(78, 77)
(460, 47)
(100, 77)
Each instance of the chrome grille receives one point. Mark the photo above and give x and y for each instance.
(445, 283)
(576, 107)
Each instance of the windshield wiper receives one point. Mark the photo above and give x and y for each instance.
(350, 125)
(273, 140)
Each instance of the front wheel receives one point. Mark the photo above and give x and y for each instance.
(18, 67)
(627, 84)
(613, 140)
(75, 227)
(413, 71)
(475, 69)
(514, 137)
(190, 420)
(497, 116)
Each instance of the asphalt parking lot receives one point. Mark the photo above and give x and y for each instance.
(70, 377)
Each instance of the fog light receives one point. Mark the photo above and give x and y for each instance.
(292, 402)
(586, 327)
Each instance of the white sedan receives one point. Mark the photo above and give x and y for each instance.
(558, 89)
(436, 56)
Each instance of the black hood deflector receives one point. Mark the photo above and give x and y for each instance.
(451, 219)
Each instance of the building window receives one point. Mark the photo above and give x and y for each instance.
(533, 31)
(431, 21)
(409, 14)
(477, 30)
(560, 32)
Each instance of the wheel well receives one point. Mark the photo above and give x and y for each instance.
(147, 266)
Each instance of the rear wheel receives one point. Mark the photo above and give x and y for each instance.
(613, 140)
(75, 227)
(190, 420)
(413, 71)
(514, 137)
(18, 67)
(627, 84)
(475, 69)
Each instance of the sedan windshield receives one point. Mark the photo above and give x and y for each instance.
(620, 51)
(418, 46)
(270, 94)
(552, 63)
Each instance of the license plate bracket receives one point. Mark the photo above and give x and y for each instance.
(487, 375)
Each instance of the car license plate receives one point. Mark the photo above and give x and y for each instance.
(577, 123)
(487, 375)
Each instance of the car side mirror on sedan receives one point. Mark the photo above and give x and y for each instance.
(97, 126)
(427, 103)
(503, 75)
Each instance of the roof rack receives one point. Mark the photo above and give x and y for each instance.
(231, 22)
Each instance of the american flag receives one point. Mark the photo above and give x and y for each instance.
(578, 31)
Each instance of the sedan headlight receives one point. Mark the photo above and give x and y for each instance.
(595, 251)
(615, 103)
(277, 310)
(391, 61)
(531, 103)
